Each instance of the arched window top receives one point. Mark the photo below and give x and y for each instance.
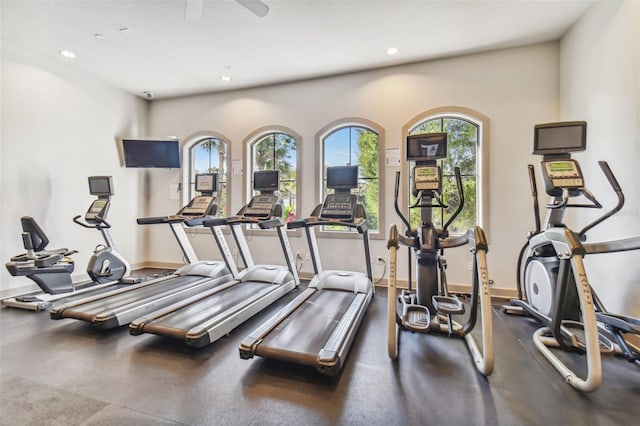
(276, 148)
(206, 152)
(468, 150)
(355, 141)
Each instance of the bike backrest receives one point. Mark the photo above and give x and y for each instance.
(38, 237)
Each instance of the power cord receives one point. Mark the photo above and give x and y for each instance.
(384, 271)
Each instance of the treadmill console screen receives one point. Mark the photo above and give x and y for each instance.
(339, 206)
(261, 206)
(562, 174)
(426, 178)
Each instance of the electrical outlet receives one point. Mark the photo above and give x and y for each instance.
(307, 256)
(470, 265)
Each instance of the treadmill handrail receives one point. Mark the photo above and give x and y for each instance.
(161, 219)
(359, 224)
(238, 220)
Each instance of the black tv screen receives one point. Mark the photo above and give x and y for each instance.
(342, 177)
(100, 185)
(427, 146)
(560, 138)
(163, 154)
(266, 180)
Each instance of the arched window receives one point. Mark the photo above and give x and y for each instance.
(276, 149)
(466, 143)
(355, 142)
(208, 153)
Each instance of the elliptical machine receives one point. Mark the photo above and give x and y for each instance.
(106, 265)
(430, 307)
(51, 269)
(552, 283)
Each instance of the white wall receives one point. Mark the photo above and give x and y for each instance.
(515, 88)
(600, 83)
(58, 127)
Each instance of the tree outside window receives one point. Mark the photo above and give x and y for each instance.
(210, 156)
(353, 145)
(277, 151)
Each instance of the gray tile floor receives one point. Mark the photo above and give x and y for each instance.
(66, 372)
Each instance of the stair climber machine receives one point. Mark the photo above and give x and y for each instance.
(121, 306)
(206, 317)
(319, 326)
(430, 307)
(51, 270)
(552, 283)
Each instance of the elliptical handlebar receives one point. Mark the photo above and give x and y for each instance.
(397, 207)
(534, 196)
(100, 223)
(617, 189)
(460, 189)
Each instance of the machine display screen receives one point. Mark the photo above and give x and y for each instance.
(207, 182)
(100, 185)
(427, 146)
(97, 206)
(562, 169)
(426, 174)
(266, 180)
(342, 177)
(560, 138)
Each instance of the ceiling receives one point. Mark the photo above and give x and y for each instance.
(181, 47)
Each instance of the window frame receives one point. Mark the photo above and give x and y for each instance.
(380, 234)
(482, 156)
(190, 142)
(247, 144)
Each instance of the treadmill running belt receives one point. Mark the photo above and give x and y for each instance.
(178, 323)
(135, 296)
(303, 334)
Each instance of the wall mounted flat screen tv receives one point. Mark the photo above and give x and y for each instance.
(163, 154)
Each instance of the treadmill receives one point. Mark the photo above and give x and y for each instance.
(318, 327)
(204, 318)
(121, 306)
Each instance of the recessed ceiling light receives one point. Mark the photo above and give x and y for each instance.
(225, 78)
(67, 54)
(123, 29)
(392, 51)
(99, 36)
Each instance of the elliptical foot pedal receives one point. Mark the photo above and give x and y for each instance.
(417, 318)
(447, 305)
(28, 299)
(621, 322)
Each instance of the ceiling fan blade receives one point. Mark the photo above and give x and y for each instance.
(256, 7)
(193, 9)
